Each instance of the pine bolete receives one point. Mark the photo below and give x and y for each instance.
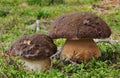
(79, 29)
(34, 51)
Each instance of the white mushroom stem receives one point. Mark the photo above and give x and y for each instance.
(37, 64)
(80, 50)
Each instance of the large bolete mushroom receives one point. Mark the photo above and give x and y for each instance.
(79, 29)
(34, 51)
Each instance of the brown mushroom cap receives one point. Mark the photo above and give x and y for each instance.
(33, 46)
(79, 25)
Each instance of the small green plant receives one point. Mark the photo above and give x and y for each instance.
(3, 12)
(44, 2)
(110, 52)
(43, 13)
(39, 2)
(33, 2)
(88, 1)
(59, 42)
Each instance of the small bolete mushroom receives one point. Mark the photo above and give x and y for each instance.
(34, 51)
(79, 29)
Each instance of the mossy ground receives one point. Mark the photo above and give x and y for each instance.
(17, 15)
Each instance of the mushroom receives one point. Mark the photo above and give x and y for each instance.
(79, 29)
(34, 51)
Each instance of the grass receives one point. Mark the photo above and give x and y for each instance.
(17, 15)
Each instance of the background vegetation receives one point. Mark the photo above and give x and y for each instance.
(16, 17)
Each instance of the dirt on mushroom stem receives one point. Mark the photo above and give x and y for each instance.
(37, 64)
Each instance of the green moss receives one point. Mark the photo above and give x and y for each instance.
(15, 20)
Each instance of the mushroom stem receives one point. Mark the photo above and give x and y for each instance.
(37, 64)
(80, 50)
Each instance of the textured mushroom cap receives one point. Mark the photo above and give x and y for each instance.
(33, 46)
(79, 25)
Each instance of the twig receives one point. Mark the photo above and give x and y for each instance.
(37, 25)
(106, 40)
